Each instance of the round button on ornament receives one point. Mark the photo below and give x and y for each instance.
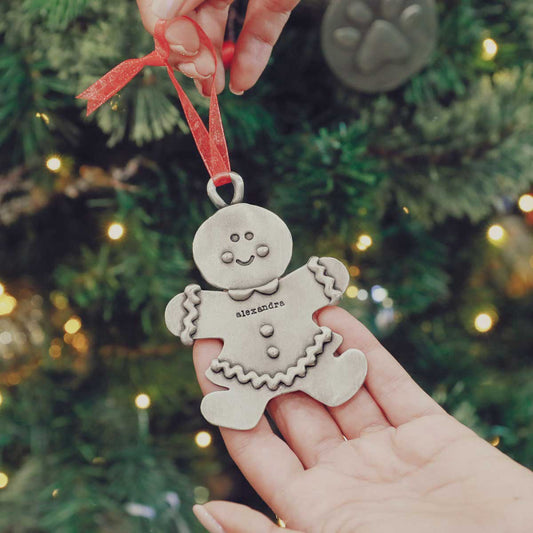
(272, 352)
(376, 45)
(266, 330)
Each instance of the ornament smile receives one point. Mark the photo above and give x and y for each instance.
(245, 263)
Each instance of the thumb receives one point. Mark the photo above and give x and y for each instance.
(228, 517)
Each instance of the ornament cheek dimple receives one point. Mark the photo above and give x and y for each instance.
(227, 257)
(263, 250)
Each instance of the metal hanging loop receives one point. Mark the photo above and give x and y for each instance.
(238, 190)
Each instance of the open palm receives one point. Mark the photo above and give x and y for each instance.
(389, 459)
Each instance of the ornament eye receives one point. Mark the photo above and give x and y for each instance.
(248, 235)
(234, 237)
(227, 257)
(263, 250)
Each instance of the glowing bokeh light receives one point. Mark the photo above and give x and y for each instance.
(496, 233)
(142, 401)
(203, 439)
(115, 231)
(525, 203)
(53, 163)
(483, 322)
(72, 325)
(490, 49)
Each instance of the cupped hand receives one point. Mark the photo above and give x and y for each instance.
(262, 26)
(388, 460)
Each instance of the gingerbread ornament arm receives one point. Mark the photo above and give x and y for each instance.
(186, 315)
(322, 281)
(331, 276)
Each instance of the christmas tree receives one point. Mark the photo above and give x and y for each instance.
(424, 192)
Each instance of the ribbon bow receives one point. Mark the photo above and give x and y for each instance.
(211, 144)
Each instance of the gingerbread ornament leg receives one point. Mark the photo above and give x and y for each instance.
(336, 378)
(240, 407)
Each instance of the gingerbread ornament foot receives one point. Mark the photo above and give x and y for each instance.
(271, 343)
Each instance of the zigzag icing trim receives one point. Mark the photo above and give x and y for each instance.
(286, 378)
(327, 281)
(190, 306)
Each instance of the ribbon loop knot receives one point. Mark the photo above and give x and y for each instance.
(211, 144)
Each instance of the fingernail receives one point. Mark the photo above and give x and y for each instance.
(238, 93)
(200, 88)
(182, 37)
(206, 519)
(166, 9)
(189, 69)
(178, 48)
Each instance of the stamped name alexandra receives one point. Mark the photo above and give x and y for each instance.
(259, 309)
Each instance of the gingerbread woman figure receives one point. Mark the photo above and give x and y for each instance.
(271, 343)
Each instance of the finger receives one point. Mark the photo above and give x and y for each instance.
(262, 27)
(181, 35)
(167, 9)
(393, 389)
(306, 425)
(265, 460)
(359, 415)
(213, 17)
(228, 517)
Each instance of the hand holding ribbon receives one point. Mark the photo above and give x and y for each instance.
(211, 143)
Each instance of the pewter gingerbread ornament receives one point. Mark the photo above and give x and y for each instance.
(271, 343)
(377, 45)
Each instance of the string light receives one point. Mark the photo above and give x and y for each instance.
(142, 401)
(352, 291)
(496, 234)
(363, 242)
(45, 118)
(53, 163)
(203, 439)
(281, 523)
(387, 303)
(405, 209)
(72, 325)
(490, 49)
(59, 300)
(495, 441)
(54, 351)
(4, 480)
(354, 271)
(525, 203)
(362, 295)
(55, 492)
(378, 293)
(1, 399)
(115, 231)
(7, 304)
(2, 289)
(483, 322)
(80, 342)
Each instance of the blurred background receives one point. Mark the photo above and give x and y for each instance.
(424, 191)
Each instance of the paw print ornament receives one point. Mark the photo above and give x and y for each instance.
(272, 345)
(377, 45)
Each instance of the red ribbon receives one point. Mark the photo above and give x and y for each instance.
(211, 144)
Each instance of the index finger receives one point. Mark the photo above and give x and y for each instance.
(393, 389)
(265, 460)
(262, 27)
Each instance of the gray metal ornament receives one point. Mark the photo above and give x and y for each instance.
(271, 343)
(377, 45)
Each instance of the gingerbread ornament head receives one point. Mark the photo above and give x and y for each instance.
(242, 246)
